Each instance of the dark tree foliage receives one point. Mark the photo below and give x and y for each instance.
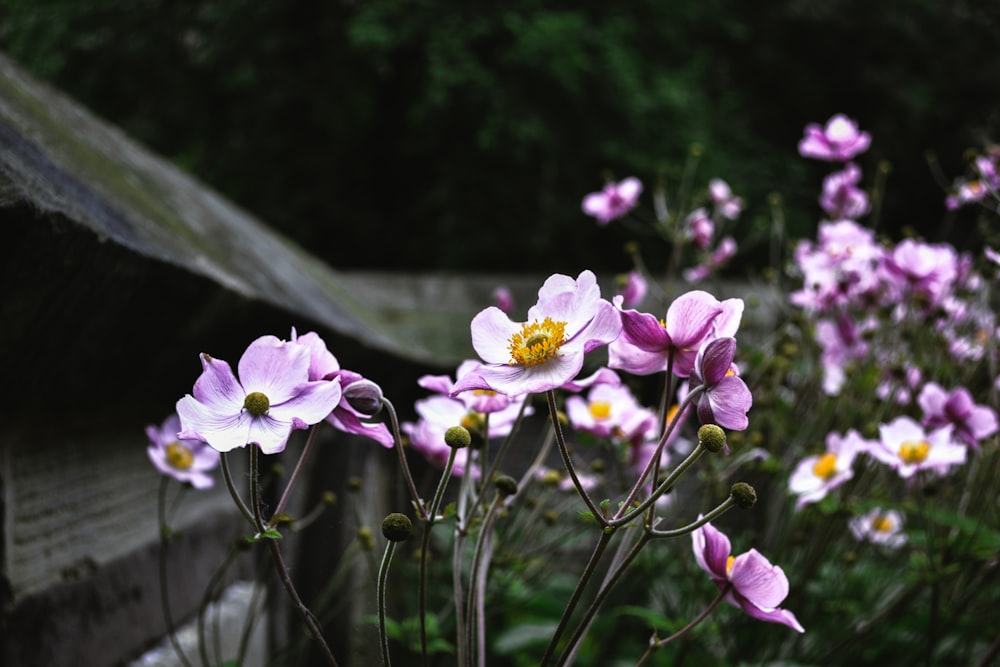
(411, 134)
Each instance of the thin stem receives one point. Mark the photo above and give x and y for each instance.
(383, 573)
(279, 510)
(168, 616)
(227, 476)
(665, 486)
(403, 465)
(588, 572)
(258, 515)
(504, 446)
(564, 452)
(425, 548)
(475, 593)
(209, 594)
(653, 644)
(712, 515)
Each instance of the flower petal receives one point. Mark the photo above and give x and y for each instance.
(755, 578)
(217, 387)
(274, 368)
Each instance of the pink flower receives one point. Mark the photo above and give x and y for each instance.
(647, 344)
(841, 269)
(817, 475)
(503, 299)
(841, 196)
(186, 460)
(726, 205)
(722, 254)
(569, 320)
(272, 397)
(756, 586)
(839, 141)
(927, 269)
(879, 526)
(345, 417)
(907, 448)
(606, 410)
(700, 228)
(971, 422)
(614, 201)
(633, 288)
(725, 398)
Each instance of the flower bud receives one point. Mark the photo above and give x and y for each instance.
(712, 437)
(506, 485)
(364, 396)
(457, 437)
(397, 527)
(365, 538)
(744, 495)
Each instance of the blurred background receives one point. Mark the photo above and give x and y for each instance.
(427, 135)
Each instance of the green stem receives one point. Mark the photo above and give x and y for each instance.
(383, 572)
(228, 477)
(588, 572)
(279, 510)
(403, 465)
(168, 616)
(665, 486)
(568, 462)
(653, 644)
(425, 542)
(476, 593)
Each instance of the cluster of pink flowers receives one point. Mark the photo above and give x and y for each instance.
(982, 185)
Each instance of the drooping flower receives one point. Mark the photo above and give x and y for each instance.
(878, 526)
(725, 398)
(905, 446)
(842, 198)
(971, 422)
(272, 396)
(613, 201)
(186, 460)
(755, 585)
(838, 141)
(346, 416)
(818, 474)
(569, 320)
(647, 344)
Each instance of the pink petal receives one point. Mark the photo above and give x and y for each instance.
(217, 386)
(761, 583)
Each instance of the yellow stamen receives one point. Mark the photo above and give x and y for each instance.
(537, 342)
(600, 409)
(474, 421)
(882, 524)
(729, 564)
(672, 413)
(914, 451)
(826, 466)
(179, 456)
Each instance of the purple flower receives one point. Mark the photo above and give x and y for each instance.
(700, 228)
(927, 269)
(755, 585)
(726, 205)
(569, 320)
(345, 417)
(971, 422)
(725, 398)
(878, 526)
(907, 448)
(841, 196)
(647, 343)
(839, 141)
(633, 288)
(272, 397)
(186, 460)
(614, 201)
(817, 475)
(722, 254)
(503, 299)
(605, 411)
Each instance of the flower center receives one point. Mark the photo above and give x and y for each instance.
(729, 564)
(256, 403)
(882, 524)
(536, 342)
(473, 421)
(600, 409)
(179, 456)
(914, 451)
(826, 466)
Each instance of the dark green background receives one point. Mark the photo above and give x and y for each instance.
(406, 134)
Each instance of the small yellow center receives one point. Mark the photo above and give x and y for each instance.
(256, 403)
(826, 466)
(882, 524)
(483, 392)
(914, 451)
(473, 421)
(600, 409)
(729, 564)
(179, 456)
(536, 342)
(672, 413)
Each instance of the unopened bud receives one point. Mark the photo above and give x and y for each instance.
(712, 437)
(364, 396)
(457, 437)
(506, 486)
(365, 538)
(744, 495)
(397, 527)
(329, 498)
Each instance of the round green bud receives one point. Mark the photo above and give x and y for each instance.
(506, 485)
(457, 437)
(365, 538)
(329, 498)
(712, 437)
(397, 527)
(354, 484)
(744, 495)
